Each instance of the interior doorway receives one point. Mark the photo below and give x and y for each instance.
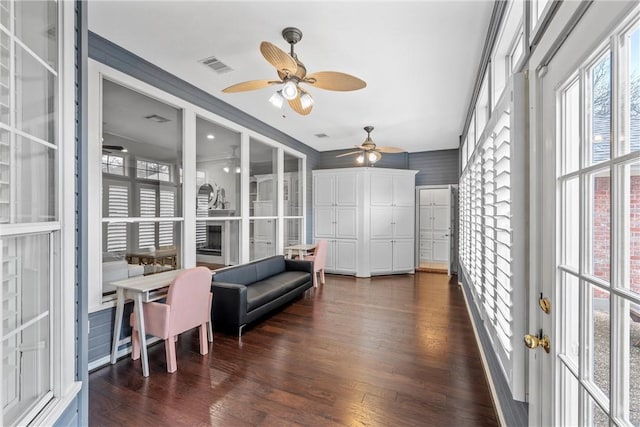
(433, 234)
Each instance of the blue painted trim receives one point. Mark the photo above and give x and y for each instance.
(515, 413)
(82, 227)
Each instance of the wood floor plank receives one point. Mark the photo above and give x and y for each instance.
(390, 350)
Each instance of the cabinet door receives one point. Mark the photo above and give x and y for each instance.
(404, 187)
(441, 219)
(323, 222)
(381, 189)
(441, 196)
(345, 256)
(441, 250)
(403, 255)
(426, 217)
(323, 186)
(346, 189)
(381, 256)
(329, 264)
(346, 222)
(403, 224)
(381, 222)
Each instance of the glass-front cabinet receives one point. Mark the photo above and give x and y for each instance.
(180, 186)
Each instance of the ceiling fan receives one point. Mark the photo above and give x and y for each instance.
(292, 72)
(369, 151)
(106, 148)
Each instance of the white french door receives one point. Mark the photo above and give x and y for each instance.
(588, 171)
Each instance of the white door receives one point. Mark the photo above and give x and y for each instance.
(381, 222)
(434, 233)
(584, 256)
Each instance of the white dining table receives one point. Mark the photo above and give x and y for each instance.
(301, 249)
(141, 289)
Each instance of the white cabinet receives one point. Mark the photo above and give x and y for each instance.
(367, 217)
(335, 219)
(392, 222)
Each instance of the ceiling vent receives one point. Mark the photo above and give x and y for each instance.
(156, 118)
(321, 135)
(216, 65)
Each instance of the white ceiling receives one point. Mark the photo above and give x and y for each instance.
(419, 60)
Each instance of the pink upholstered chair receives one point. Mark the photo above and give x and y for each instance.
(319, 258)
(188, 305)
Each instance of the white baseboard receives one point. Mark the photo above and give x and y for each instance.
(103, 361)
(485, 365)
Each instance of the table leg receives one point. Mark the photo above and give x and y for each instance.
(301, 254)
(117, 325)
(289, 253)
(143, 340)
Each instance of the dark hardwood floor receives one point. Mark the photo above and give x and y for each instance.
(386, 351)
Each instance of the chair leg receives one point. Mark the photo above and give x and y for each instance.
(170, 350)
(204, 342)
(315, 279)
(322, 276)
(135, 344)
(210, 330)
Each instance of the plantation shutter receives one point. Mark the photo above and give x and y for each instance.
(167, 209)
(118, 207)
(146, 230)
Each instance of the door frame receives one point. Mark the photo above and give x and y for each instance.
(543, 197)
(417, 221)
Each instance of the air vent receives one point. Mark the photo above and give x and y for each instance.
(156, 118)
(321, 135)
(216, 65)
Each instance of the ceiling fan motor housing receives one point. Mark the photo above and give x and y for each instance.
(292, 35)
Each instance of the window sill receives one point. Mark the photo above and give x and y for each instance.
(54, 409)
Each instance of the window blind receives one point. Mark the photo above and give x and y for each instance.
(146, 230)
(167, 209)
(118, 200)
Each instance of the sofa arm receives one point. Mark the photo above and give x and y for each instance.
(229, 303)
(298, 265)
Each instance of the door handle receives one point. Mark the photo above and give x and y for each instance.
(532, 341)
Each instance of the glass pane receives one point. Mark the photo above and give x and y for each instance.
(292, 231)
(218, 155)
(26, 276)
(217, 243)
(570, 314)
(35, 97)
(631, 368)
(630, 174)
(571, 223)
(5, 176)
(600, 118)
(262, 234)
(263, 179)
(570, 390)
(599, 212)
(292, 192)
(37, 27)
(571, 129)
(5, 14)
(35, 172)
(599, 417)
(598, 348)
(632, 96)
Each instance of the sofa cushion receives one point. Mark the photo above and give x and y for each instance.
(240, 274)
(269, 267)
(266, 290)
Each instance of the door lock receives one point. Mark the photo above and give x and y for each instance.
(545, 304)
(533, 341)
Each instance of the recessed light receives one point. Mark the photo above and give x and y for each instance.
(210, 136)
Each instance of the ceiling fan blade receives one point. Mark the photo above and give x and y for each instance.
(278, 58)
(390, 150)
(112, 147)
(333, 80)
(296, 105)
(250, 85)
(348, 154)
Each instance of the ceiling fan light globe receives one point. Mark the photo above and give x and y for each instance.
(372, 157)
(226, 169)
(277, 100)
(289, 90)
(306, 101)
(238, 170)
(360, 159)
